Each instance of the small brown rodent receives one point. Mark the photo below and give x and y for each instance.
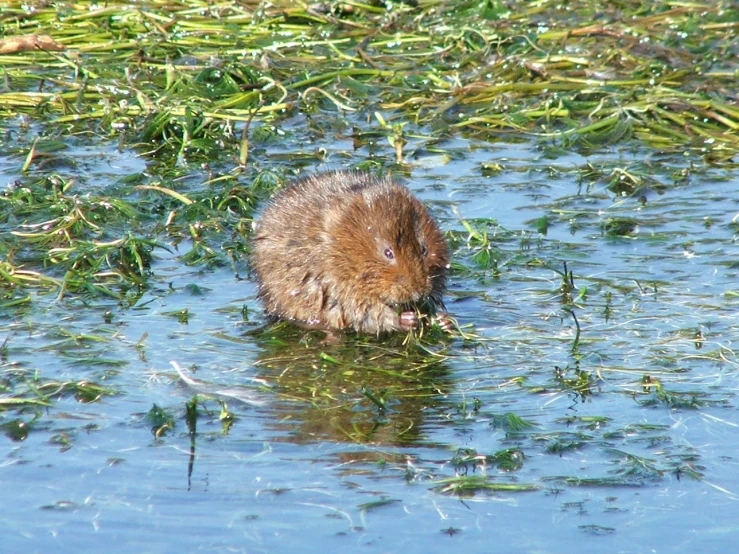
(345, 249)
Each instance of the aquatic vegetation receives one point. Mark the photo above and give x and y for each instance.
(582, 159)
(181, 99)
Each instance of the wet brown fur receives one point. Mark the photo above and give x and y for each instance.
(319, 253)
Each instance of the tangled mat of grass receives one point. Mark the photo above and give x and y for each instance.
(209, 83)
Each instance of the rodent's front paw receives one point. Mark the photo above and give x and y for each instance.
(445, 322)
(408, 320)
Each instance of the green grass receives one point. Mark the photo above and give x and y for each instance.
(187, 83)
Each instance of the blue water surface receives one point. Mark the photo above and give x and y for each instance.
(618, 469)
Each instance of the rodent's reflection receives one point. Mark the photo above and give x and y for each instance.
(327, 392)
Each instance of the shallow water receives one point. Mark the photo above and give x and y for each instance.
(609, 464)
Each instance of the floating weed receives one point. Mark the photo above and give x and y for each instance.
(511, 459)
(605, 482)
(191, 415)
(63, 440)
(70, 339)
(161, 421)
(658, 395)
(558, 442)
(637, 467)
(377, 399)
(567, 287)
(89, 244)
(592, 423)
(608, 307)
(575, 380)
(24, 391)
(197, 406)
(17, 430)
(183, 315)
(84, 391)
(18, 279)
(628, 183)
(10, 402)
(597, 530)
(226, 417)
(620, 226)
(56, 216)
(559, 446)
(480, 248)
(636, 430)
(628, 469)
(511, 422)
(61, 506)
(468, 486)
(467, 408)
(368, 506)
(691, 471)
(71, 230)
(608, 131)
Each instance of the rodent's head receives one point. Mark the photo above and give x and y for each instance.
(387, 248)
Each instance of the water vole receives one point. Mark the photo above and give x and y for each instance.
(345, 249)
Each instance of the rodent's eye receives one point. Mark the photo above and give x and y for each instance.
(424, 250)
(389, 254)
